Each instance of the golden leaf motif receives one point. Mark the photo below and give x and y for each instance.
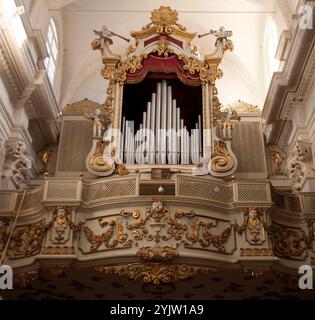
(115, 229)
(207, 73)
(289, 242)
(255, 272)
(27, 240)
(162, 48)
(216, 107)
(156, 273)
(24, 279)
(119, 72)
(164, 20)
(121, 170)
(157, 253)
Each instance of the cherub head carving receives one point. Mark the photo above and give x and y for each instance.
(157, 206)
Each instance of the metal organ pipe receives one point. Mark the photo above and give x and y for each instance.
(178, 140)
(158, 122)
(152, 127)
(173, 134)
(163, 126)
(162, 136)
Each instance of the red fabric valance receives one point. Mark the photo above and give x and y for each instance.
(162, 66)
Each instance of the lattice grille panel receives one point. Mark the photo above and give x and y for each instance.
(75, 144)
(204, 190)
(309, 203)
(286, 202)
(31, 200)
(252, 193)
(5, 201)
(248, 146)
(62, 190)
(111, 189)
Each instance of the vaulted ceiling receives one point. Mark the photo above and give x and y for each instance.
(245, 69)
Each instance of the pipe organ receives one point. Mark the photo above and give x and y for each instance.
(162, 137)
(156, 116)
(137, 206)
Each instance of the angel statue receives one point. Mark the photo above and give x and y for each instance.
(104, 36)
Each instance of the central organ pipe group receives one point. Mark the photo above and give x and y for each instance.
(162, 137)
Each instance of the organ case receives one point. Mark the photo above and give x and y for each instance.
(146, 105)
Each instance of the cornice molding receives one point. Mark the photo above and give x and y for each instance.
(292, 85)
(25, 78)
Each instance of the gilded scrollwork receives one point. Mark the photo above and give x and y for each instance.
(156, 273)
(118, 72)
(216, 107)
(221, 158)
(208, 73)
(100, 161)
(164, 20)
(121, 169)
(24, 279)
(159, 225)
(27, 240)
(162, 49)
(114, 230)
(255, 272)
(289, 242)
(157, 253)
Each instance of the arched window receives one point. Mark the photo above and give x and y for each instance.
(271, 44)
(52, 48)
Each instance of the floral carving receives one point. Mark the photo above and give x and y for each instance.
(162, 48)
(255, 272)
(121, 170)
(156, 273)
(165, 20)
(27, 240)
(114, 228)
(207, 72)
(159, 225)
(118, 72)
(24, 279)
(288, 242)
(157, 253)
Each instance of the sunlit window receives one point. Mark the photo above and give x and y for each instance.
(271, 38)
(52, 48)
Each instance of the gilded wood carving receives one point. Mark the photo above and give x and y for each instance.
(159, 225)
